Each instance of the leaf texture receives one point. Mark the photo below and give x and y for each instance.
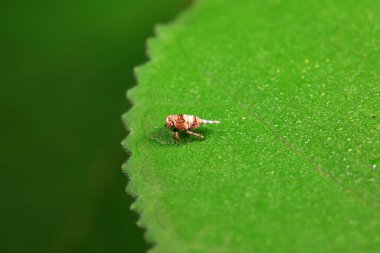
(294, 164)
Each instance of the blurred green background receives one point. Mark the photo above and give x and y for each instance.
(65, 68)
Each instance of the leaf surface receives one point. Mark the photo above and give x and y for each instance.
(294, 164)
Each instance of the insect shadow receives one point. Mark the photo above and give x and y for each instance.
(163, 135)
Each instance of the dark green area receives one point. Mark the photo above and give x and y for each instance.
(65, 68)
(294, 164)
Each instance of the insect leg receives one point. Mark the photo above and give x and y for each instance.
(192, 133)
(175, 136)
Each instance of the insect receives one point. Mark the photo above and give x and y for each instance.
(186, 122)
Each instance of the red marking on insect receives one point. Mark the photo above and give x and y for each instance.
(185, 122)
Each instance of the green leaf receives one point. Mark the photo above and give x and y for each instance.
(294, 164)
